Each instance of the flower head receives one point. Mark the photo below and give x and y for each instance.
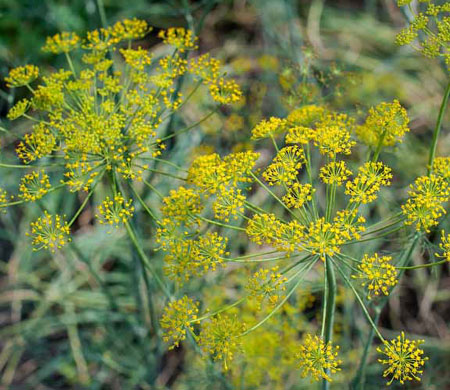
(285, 166)
(445, 246)
(298, 194)
(115, 212)
(404, 359)
(387, 123)
(377, 274)
(49, 232)
(318, 359)
(425, 203)
(267, 284)
(269, 128)
(335, 172)
(61, 43)
(220, 337)
(22, 75)
(365, 186)
(179, 37)
(177, 319)
(34, 186)
(182, 205)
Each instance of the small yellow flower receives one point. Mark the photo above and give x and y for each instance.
(49, 232)
(266, 284)
(335, 173)
(404, 359)
(34, 186)
(182, 205)
(425, 203)
(318, 359)
(285, 166)
(115, 212)
(22, 75)
(365, 186)
(378, 275)
(269, 128)
(18, 109)
(62, 43)
(229, 202)
(298, 195)
(178, 319)
(179, 37)
(445, 246)
(220, 337)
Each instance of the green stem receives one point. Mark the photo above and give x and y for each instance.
(328, 308)
(358, 381)
(145, 260)
(437, 129)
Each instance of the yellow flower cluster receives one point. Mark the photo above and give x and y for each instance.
(177, 319)
(34, 186)
(298, 194)
(285, 166)
(220, 337)
(316, 358)
(325, 238)
(425, 203)
(269, 128)
(49, 232)
(385, 125)
(179, 37)
(210, 173)
(62, 43)
(378, 275)
(229, 202)
(4, 199)
(115, 212)
(18, 109)
(22, 75)
(335, 172)
(444, 245)
(430, 29)
(365, 186)
(267, 284)
(182, 205)
(404, 359)
(187, 257)
(441, 167)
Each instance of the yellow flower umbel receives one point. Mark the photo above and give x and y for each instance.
(34, 186)
(425, 203)
(365, 186)
(267, 284)
(115, 212)
(298, 195)
(428, 31)
(179, 37)
(444, 245)
(317, 359)
(49, 232)
(386, 125)
(441, 167)
(22, 75)
(220, 337)
(182, 205)
(178, 319)
(285, 166)
(335, 172)
(269, 128)
(404, 359)
(62, 43)
(377, 274)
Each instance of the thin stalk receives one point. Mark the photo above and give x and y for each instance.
(437, 129)
(359, 379)
(146, 261)
(329, 308)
